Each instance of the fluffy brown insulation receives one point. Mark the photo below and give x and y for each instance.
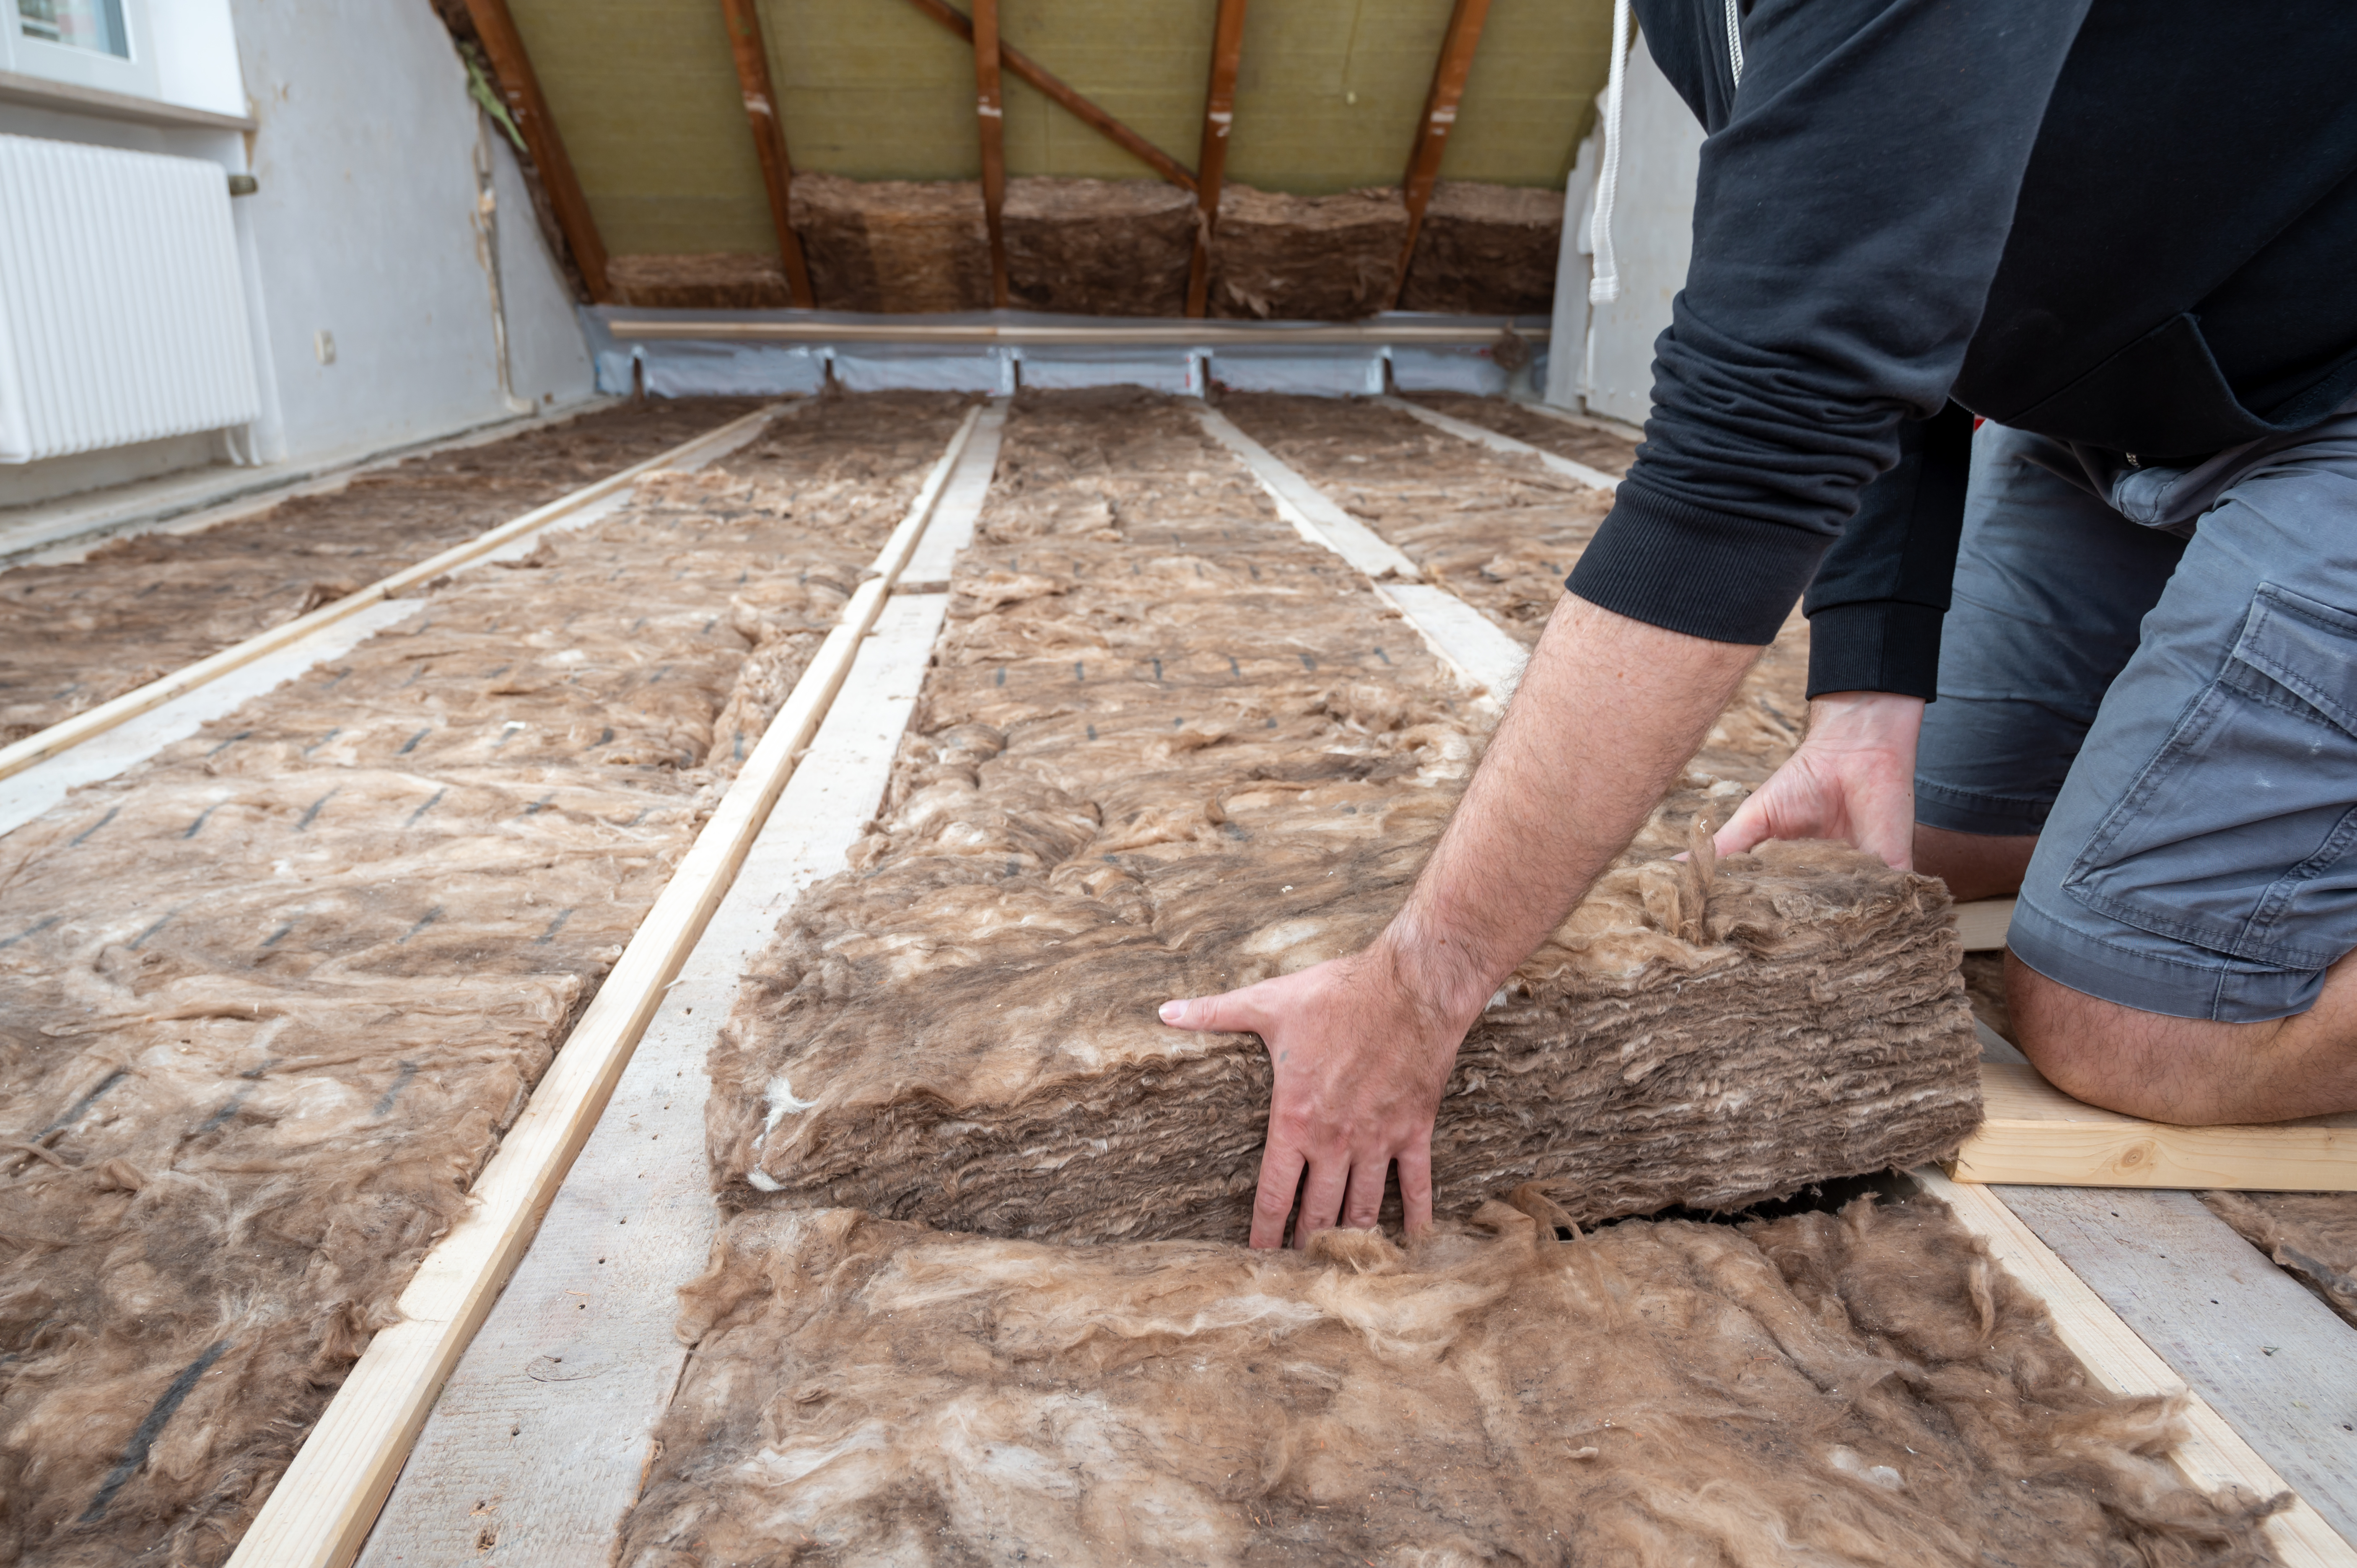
(1862, 1389)
(1305, 258)
(1167, 748)
(893, 245)
(2313, 1234)
(1599, 449)
(1099, 247)
(267, 1001)
(1486, 250)
(1502, 532)
(75, 636)
(709, 282)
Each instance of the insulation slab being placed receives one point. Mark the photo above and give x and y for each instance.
(268, 1001)
(1168, 748)
(1857, 1390)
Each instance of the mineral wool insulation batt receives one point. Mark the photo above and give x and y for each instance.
(267, 1001)
(1166, 746)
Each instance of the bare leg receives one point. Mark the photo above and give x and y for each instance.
(2191, 1071)
(1973, 866)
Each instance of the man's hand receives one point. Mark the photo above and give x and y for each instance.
(1853, 779)
(1608, 709)
(1361, 1056)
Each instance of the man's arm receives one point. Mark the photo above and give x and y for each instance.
(1607, 712)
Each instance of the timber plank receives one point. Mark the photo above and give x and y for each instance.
(1499, 440)
(2035, 1135)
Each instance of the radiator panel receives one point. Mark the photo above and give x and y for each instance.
(121, 310)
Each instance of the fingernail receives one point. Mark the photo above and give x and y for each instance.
(1173, 1011)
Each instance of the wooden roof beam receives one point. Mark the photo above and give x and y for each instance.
(752, 54)
(990, 114)
(519, 85)
(1440, 105)
(1061, 92)
(1211, 164)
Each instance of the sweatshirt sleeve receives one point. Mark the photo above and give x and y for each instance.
(1853, 202)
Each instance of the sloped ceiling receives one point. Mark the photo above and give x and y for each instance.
(1327, 97)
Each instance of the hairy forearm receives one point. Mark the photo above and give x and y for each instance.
(1608, 711)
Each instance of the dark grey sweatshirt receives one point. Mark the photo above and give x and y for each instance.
(2128, 224)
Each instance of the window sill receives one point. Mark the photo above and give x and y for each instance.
(44, 93)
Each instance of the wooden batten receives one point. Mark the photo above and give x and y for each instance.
(1066, 97)
(1440, 106)
(519, 85)
(752, 54)
(1499, 440)
(1212, 162)
(990, 116)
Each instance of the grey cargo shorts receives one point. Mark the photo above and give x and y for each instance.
(2155, 671)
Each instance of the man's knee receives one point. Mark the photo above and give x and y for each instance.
(2122, 1059)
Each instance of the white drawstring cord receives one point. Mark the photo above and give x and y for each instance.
(1735, 41)
(1604, 286)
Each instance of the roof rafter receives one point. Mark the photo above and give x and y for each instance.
(744, 41)
(1211, 164)
(990, 115)
(519, 85)
(1441, 104)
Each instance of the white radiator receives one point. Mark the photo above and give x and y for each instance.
(122, 314)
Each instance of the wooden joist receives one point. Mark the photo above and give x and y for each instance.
(1983, 923)
(1062, 92)
(1212, 162)
(69, 732)
(752, 55)
(1456, 63)
(2036, 1135)
(519, 85)
(990, 115)
(322, 1509)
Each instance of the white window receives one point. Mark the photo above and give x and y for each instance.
(88, 43)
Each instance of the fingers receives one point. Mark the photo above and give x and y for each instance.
(1321, 1199)
(1364, 1205)
(1230, 1011)
(1280, 1176)
(1415, 1182)
(1754, 821)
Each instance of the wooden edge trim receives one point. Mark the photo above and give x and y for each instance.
(1499, 440)
(520, 84)
(894, 556)
(1212, 162)
(1440, 106)
(1063, 94)
(751, 52)
(319, 1513)
(2213, 1455)
(2033, 1135)
(68, 733)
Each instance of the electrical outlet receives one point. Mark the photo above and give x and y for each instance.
(323, 344)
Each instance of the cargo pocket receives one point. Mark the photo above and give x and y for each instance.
(2237, 835)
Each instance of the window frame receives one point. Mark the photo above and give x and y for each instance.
(135, 77)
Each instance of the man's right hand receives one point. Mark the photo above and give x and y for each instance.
(1853, 779)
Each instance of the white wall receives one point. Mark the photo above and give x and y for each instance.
(362, 228)
(1652, 238)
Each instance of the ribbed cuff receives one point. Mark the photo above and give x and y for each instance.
(1686, 568)
(1881, 645)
